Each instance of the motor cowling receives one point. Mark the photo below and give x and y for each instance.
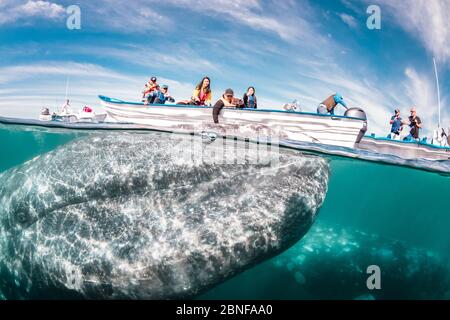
(361, 114)
(356, 113)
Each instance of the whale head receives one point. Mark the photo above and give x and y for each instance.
(146, 216)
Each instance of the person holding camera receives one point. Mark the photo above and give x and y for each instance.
(415, 124)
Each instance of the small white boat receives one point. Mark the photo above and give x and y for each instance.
(82, 116)
(404, 149)
(342, 131)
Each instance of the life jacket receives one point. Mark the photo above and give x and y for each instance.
(149, 87)
(87, 109)
(203, 97)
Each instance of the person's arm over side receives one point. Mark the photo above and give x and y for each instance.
(256, 102)
(216, 110)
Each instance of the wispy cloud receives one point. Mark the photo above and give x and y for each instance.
(27, 71)
(425, 19)
(138, 17)
(20, 11)
(257, 15)
(248, 12)
(27, 88)
(348, 20)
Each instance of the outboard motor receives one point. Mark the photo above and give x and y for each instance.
(358, 113)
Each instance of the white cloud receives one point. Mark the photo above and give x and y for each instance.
(348, 20)
(14, 12)
(280, 17)
(427, 20)
(27, 88)
(42, 8)
(24, 72)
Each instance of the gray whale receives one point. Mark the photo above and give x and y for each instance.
(125, 216)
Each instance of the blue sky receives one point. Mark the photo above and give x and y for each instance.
(288, 50)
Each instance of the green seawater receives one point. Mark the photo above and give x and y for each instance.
(384, 204)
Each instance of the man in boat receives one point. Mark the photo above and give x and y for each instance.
(396, 125)
(159, 96)
(66, 108)
(149, 87)
(226, 101)
(165, 94)
(327, 106)
(415, 124)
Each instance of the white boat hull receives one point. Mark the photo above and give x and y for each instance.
(405, 150)
(307, 127)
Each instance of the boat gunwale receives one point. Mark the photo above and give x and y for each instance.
(117, 101)
(415, 143)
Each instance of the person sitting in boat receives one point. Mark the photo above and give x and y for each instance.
(66, 109)
(250, 98)
(227, 101)
(149, 87)
(327, 106)
(397, 125)
(159, 96)
(202, 93)
(151, 96)
(165, 95)
(415, 124)
(201, 96)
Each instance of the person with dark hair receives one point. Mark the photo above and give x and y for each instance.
(250, 98)
(226, 101)
(202, 93)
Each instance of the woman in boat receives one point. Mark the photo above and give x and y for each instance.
(226, 101)
(327, 106)
(202, 93)
(250, 98)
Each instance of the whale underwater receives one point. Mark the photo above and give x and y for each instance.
(331, 262)
(145, 216)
